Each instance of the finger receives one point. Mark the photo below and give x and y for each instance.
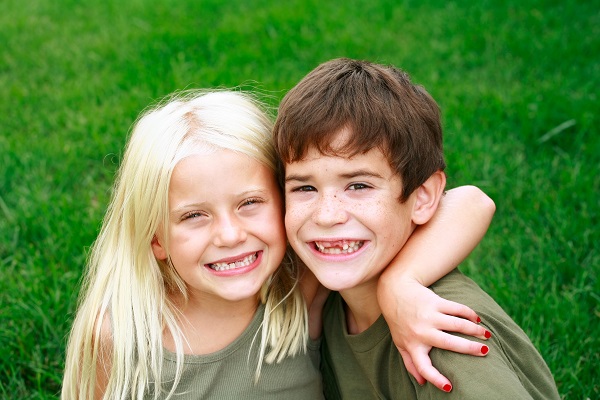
(458, 344)
(454, 324)
(458, 310)
(410, 366)
(430, 373)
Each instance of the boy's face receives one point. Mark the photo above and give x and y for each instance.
(343, 217)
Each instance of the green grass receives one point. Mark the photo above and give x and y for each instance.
(517, 82)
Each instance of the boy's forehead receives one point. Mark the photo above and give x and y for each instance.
(316, 163)
(341, 138)
(340, 146)
(337, 146)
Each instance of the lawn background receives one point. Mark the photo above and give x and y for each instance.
(517, 82)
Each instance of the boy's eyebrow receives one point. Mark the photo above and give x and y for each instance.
(361, 172)
(297, 177)
(347, 175)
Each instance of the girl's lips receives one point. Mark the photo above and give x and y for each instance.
(236, 265)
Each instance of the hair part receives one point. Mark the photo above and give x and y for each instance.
(378, 105)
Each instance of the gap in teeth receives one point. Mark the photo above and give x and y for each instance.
(233, 265)
(346, 247)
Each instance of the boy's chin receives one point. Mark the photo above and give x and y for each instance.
(335, 282)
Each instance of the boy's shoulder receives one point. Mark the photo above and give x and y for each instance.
(459, 288)
(518, 367)
(455, 285)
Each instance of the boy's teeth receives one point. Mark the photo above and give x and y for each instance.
(238, 264)
(345, 247)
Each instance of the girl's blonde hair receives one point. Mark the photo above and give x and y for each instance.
(126, 284)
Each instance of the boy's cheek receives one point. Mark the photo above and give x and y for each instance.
(294, 216)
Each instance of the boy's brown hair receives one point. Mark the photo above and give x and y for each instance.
(380, 107)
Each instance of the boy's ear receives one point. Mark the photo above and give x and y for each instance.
(158, 249)
(428, 197)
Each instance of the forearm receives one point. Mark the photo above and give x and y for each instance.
(436, 248)
(417, 317)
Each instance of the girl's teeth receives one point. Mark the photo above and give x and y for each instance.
(238, 264)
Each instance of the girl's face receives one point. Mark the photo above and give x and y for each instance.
(225, 225)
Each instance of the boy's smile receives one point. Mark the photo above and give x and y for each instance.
(344, 217)
(339, 247)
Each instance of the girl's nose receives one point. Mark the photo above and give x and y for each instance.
(229, 232)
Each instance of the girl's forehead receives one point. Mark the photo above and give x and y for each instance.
(214, 170)
(194, 148)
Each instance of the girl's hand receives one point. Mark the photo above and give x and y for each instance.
(422, 317)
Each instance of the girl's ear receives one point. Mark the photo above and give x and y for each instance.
(158, 249)
(428, 197)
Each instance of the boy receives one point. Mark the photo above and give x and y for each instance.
(362, 148)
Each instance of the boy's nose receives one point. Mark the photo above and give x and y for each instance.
(329, 210)
(229, 232)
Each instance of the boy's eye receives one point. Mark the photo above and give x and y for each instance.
(305, 188)
(358, 186)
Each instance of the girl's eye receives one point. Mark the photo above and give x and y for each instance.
(249, 202)
(191, 214)
(358, 186)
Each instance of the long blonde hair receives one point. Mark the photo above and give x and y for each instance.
(126, 283)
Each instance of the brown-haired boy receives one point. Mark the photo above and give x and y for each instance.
(362, 150)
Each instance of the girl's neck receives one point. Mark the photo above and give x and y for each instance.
(210, 324)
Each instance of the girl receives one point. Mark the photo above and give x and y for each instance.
(186, 294)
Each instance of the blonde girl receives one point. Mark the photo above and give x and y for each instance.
(185, 293)
(133, 301)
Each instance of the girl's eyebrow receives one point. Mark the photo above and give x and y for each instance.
(185, 207)
(254, 191)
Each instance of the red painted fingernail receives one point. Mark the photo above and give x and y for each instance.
(484, 349)
(487, 334)
(447, 387)
(478, 320)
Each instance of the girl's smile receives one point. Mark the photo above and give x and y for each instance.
(226, 234)
(236, 265)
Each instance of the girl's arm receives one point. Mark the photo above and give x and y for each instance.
(417, 317)
(104, 361)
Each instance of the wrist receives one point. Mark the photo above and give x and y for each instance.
(396, 277)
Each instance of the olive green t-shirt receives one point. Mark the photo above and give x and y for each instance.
(229, 373)
(368, 365)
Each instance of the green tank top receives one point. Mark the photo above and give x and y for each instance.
(229, 373)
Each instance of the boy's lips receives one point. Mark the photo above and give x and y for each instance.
(334, 247)
(234, 263)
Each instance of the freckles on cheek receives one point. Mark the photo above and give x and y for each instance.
(291, 213)
(290, 222)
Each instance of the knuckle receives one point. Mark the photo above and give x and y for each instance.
(448, 341)
(459, 324)
(422, 370)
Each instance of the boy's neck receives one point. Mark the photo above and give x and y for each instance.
(361, 308)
